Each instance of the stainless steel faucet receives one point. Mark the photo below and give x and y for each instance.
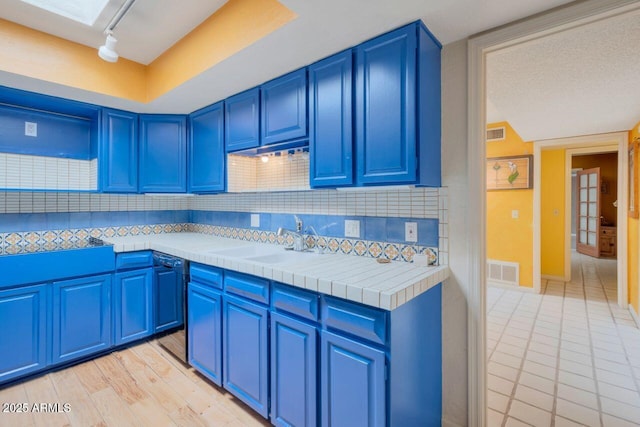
(299, 244)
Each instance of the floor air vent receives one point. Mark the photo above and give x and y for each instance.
(503, 272)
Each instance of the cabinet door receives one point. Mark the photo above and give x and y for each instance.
(132, 303)
(168, 298)
(81, 317)
(245, 345)
(242, 120)
(386, 108)
(118, 157)
(293, 372)
(330, 121)
(163, 154)
(206, 150)
(23, 341)
(284, 108)
(204, 331)
(352, 383)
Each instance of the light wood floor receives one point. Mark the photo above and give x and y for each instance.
(138, 386)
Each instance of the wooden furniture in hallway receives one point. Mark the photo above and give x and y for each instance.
(608, 236)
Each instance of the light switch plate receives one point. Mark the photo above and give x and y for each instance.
(352, 228)
(515, 214)
(411, 231)
(30, 129)
(255, 220)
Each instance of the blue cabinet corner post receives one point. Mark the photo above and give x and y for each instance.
(206, 150)
(204, 331)
(330, 121)
(132, 302)
(293, 372)
(23, 342)
(81, 317)
(118, 152)
(163, 153)
(284, 108)
(242, 120)
(245, 352)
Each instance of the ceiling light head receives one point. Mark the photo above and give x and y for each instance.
(108, 50)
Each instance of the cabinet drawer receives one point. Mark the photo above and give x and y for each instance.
(128, 260)
(364, 322)
(247, 286)
(295, 301)
(206, 275)
(604, 231)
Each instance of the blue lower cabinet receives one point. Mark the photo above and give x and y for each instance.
(204, 331)
(293, 372)
(23, 342)
(168, 295)
(132, 305)
(81, 317)
(245, 352)
(353, 387)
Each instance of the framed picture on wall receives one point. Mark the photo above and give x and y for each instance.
(510, 173)
(633, 178)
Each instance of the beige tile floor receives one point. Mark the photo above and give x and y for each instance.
(569, 356)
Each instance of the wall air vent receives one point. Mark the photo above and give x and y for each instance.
(496, 134)
(503, 272)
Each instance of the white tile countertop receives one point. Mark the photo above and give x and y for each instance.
(356, 278)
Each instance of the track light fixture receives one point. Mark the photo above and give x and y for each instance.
(108, 50)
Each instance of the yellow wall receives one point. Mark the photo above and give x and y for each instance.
(632, 248)
(510, 239)
(236, 25)
(41, 56)
(552, 212)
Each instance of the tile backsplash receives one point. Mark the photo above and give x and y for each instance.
(382, 214)
(22, 172)
(281, 172)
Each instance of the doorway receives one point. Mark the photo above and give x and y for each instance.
(539, 26)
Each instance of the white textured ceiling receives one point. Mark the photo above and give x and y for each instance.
(581, 81)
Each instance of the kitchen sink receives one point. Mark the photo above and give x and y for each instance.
(283, 257)
(248, 251)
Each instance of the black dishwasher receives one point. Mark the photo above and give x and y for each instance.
(170, 282)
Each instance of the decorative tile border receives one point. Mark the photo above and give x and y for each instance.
(38, 241)
(14, 243)
(372, 249)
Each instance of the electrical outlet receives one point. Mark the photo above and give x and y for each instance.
(352, 228)
(255, 220)
(30, 129)
(411, 231)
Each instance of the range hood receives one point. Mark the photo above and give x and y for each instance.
(296, 145)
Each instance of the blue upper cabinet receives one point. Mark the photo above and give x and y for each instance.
(206, 150)
(242, 120)
(330, 121)
(163, 153)
(118, 155)
(284, 108)
(398, 108)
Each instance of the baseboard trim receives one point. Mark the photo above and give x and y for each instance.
(554, 278)
(510, 287)
(634, 315)
(446, 423)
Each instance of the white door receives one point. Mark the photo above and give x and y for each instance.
(588, 215)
